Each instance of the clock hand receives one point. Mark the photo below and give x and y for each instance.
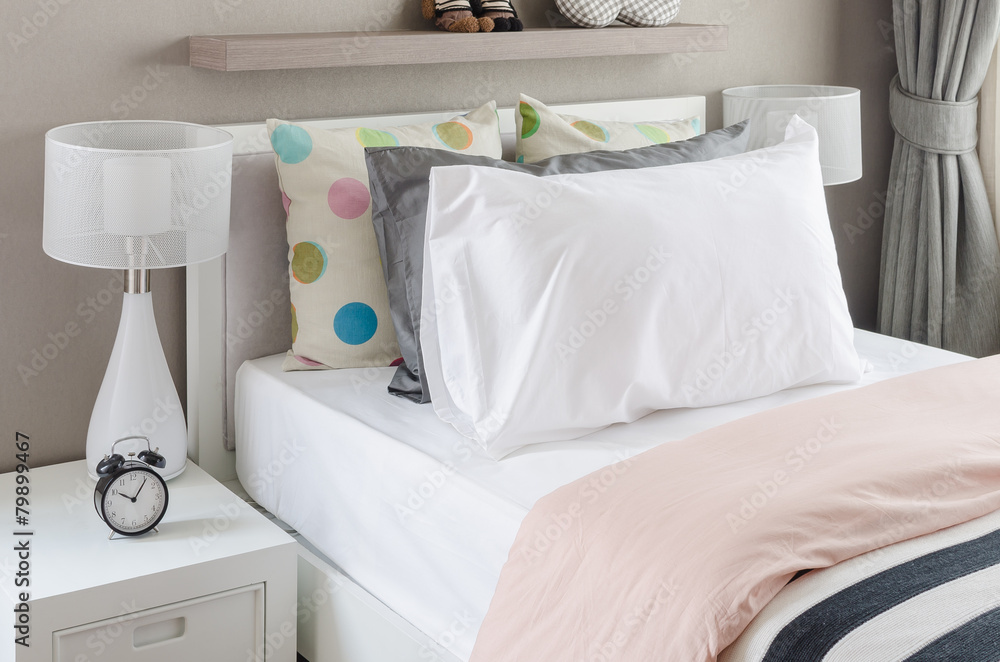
(133, 498)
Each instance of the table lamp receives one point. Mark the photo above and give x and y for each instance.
(137, 196)
(835, 113)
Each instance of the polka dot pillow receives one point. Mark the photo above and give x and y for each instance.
(340, 306)
(543, 133)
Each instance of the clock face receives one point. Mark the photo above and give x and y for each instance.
(134, 502)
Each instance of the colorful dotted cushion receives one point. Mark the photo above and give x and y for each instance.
(340, 308)
(543, 133)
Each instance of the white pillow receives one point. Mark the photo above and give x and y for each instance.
(560, 305)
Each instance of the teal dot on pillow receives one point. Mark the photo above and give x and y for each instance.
(355, 323)
(291, 143)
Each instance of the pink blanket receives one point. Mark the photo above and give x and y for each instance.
(669, 555)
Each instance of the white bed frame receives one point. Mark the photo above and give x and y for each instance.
(338, 620)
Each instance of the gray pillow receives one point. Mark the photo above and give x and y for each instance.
(399, 185)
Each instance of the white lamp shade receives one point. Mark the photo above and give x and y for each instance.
(136, 194)
(835, 113)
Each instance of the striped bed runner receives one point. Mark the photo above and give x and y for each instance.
(933, 598)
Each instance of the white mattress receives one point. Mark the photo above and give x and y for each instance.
(414, 512)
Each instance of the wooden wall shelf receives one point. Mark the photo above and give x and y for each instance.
(358, 49)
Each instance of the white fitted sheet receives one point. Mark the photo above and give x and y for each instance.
(415, 513)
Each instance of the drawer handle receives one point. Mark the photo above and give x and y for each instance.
(157, 633)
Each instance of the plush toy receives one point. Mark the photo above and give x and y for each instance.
(503, 15)
(639, 13)
(472, 15)
(451, 15)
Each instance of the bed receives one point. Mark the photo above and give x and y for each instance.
(404, 523)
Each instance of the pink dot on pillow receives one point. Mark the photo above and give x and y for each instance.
(349, 198)
(285, 202)
(309, 362)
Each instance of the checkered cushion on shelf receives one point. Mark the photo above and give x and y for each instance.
(639, 13)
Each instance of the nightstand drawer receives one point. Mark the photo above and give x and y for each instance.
(224, 627)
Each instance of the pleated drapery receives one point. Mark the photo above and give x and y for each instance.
(940, 281)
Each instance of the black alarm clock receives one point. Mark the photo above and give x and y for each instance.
(130, 497)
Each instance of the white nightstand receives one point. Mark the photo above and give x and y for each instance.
(217, 582)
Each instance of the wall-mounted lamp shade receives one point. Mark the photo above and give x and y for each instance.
(136, 194)
(835, 113)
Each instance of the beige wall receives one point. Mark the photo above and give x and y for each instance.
(90, 57)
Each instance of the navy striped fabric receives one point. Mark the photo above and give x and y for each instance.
(812, 634)
(976, 641)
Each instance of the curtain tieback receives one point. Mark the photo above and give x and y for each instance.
(939, 127)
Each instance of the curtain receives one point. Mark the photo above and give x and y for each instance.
(940, 281)
(989, 139)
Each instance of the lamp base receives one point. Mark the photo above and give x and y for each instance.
(138, 396)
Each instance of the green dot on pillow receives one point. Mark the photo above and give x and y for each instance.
(530, 121)
(592, 131)
(376, 138)
(308, 262)
(454, 135)
(654, 134)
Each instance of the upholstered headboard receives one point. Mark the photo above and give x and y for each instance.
(258, 315)
(238, 306)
